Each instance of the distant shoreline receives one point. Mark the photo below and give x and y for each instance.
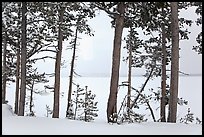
(135, 75)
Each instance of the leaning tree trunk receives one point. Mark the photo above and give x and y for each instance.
(143, 86)
(57, 68)
(174, 63)
(112, 100)
(163, 82)
(23, 62)
(71, 74)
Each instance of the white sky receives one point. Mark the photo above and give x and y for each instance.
(86, 53)
(96, 52)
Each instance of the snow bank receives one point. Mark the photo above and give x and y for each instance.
(7, 110)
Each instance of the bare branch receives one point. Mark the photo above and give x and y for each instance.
(43, 58)
(51, 74)
(181, 72)
(48, 87)
(106, 10)
(47, 50)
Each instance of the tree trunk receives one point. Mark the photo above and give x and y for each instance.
(143, 86)
(174, 63)
(17, 79)
(76, 103)
(129, 76)
(163, 82)
(18, 61)
(4, 70)
(86, 103)
(112, 100)
(57, 68)
(23, 62)
(151, 110)
(71, 73)
(31, 96)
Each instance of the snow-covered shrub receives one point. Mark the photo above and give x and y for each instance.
(188, 118)
(90, 107)
(83, 106)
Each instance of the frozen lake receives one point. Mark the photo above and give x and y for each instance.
(190, 89)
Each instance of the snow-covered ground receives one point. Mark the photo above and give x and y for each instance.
(42, 125)
(23, 125)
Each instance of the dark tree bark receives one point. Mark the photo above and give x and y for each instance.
(174, 64)
(71, 72)
(4, 70)
(57, 68)
(129, 75)
(86, 103)
(112, 100)
(23, 62)
(163, 82)
(151, 110)
(31, 96)
(17, 79)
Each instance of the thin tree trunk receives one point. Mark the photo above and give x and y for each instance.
(174, 64)
(4, 70)
(76, 102)
(135, 100)
(112, 100)
(57, 68)
(17, 79)
(163, 82)
(129, 76)
(31, 96)
(85, 115)
(71, 73)
(151, 110)
(23, 62)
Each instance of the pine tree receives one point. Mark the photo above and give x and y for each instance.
(4, 70)
(32, 79)
(48, 111)
(188, 118)
(74, 43)
(78, 103)
(154, 20)
(174, 64)
(90, 107)
(198, 11)
(57, 65)
(36, 38)
(116, 11)
(23, 61)
(9, 39)
(83, 107)
(81, 26)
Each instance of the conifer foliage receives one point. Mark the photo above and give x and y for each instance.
(83, 107)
